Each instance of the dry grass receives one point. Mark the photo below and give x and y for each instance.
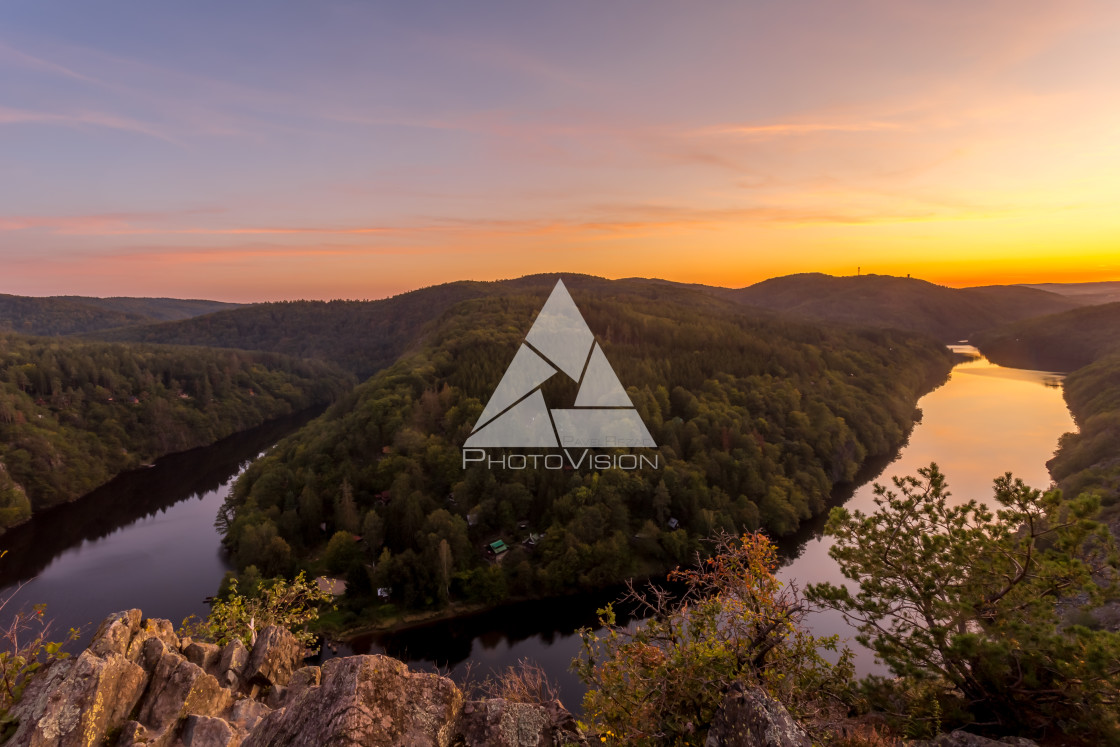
(525, 682)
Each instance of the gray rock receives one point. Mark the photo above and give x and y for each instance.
(247, 713)
(368, 700)
(204, 655)
(749, 717)
(233, 659)
(132, 733)
(275, 656)
(115, 633)
(205, 731)
(301, 680)
(275, 697)
(160, 629)
(964, 739)
(502, 723)
(33, 704)
(96, 696)
(177, 688)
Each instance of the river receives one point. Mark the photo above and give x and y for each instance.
(148, 540)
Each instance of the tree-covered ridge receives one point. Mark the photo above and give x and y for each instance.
(154, 309)
(1057, 342)
(756, 420)
(366, 336)
(74, 414)
(361, 336)
(69, 315)
(1089, 460)
(949, 314)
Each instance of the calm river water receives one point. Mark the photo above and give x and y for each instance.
(148, 540)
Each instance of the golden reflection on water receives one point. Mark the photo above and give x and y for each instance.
(985, 421)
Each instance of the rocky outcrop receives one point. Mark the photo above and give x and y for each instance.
(503, 723)
(366, 700)
(96, 696)
(275, 656)
(964, 739)
(138, 684)
(748, 717)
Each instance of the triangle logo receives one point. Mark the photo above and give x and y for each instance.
(559, 342)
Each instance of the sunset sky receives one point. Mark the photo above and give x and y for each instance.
(263, 150)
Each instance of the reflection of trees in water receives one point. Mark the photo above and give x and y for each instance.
(793, 545)
(133, 496)
(446, 643)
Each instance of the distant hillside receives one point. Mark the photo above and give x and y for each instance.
(69, 315)
(949, 314)
(366, 336)
(154, 309)
(1059, 342)
(1101, 292)
(362, 336)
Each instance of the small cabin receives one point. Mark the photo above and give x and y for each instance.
(498, 548)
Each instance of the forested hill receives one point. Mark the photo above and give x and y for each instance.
(366, 336)
(756, 419)
(361, 336)
(1107, 291)
(1058, 342)
(69, 315)
(949, 314)
(74, 414)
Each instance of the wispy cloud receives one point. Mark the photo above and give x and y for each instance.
(22, 59)
(799, 128)
(9, 116)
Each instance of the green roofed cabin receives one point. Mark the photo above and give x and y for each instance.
(498, 547)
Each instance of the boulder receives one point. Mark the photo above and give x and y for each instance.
(115, 633)
(132, 734)
(503, 723)
(160, 629)
(748, 717)
(964, 739)
(96, 696)
(233, 659)
(247, 713)
(178, 688)
(301, 680)
(275, 656)
(205, 731)
(32, 706)
(204, 655)
(369, 700)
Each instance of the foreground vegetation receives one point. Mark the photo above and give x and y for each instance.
(756, 420)
(74, 414)
(964, 603)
